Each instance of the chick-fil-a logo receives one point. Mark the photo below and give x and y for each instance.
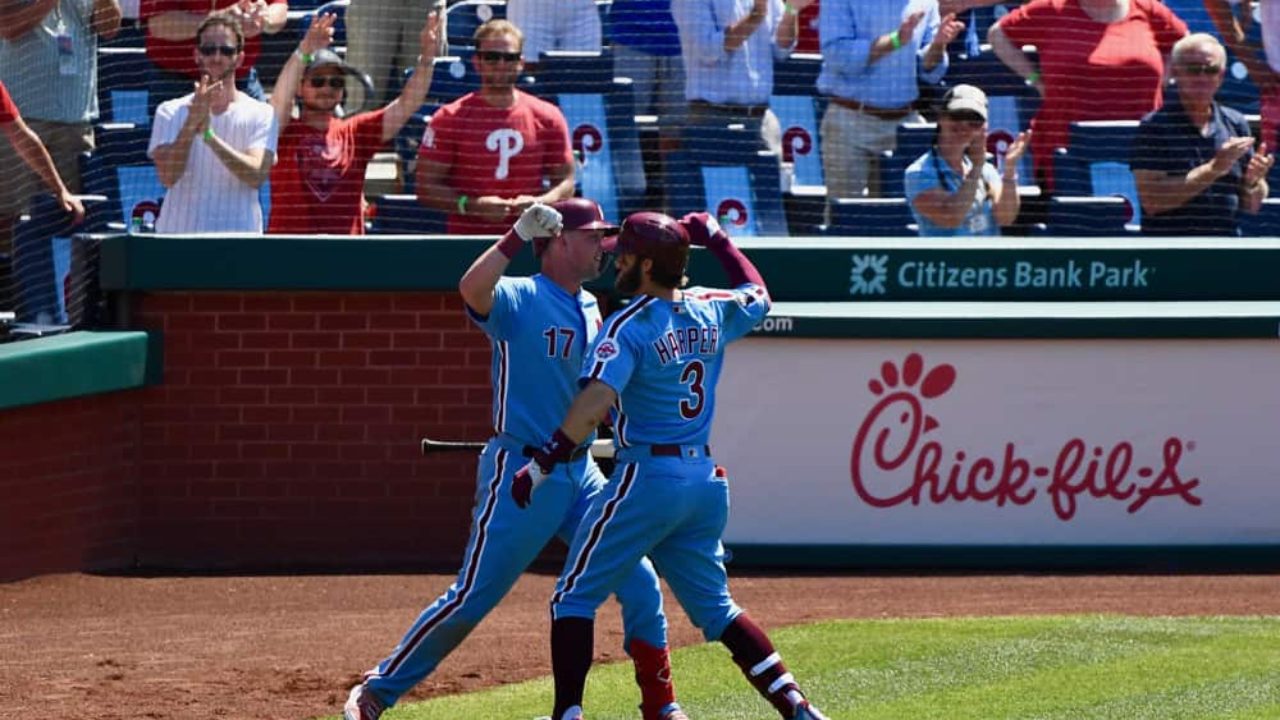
(893, 463)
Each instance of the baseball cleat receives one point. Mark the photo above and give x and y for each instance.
(362, 705)
(806, 711)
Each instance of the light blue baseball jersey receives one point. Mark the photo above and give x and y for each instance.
(539, 333)
(664, 359)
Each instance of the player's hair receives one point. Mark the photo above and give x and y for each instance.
(494, 28)
(222, 19)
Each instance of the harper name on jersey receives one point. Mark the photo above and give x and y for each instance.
(684, 341)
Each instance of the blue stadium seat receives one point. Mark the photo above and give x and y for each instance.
(1096, 162)
(55, 273)
(871, 217)
(600, 111)
(741, 191)
(452, 77)
(402, 215)
(798, 108)
(1090, 216)
(1266, 223)
(914, 140)
(120, 170)
(123, 85)
(464, 17)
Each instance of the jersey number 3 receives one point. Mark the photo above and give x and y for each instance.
(692, 375)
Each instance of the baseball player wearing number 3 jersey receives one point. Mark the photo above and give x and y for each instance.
(540, 328)
(656, 363)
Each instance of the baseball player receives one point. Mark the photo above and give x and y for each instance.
(540, 328)
(656, 363)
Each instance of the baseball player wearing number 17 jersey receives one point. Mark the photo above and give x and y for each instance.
(540, 328)
(656, 363)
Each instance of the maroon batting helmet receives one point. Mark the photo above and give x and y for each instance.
(577, 214)
(658, 237)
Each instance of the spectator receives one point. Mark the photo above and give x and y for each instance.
(485, 156)
(49, 62)
(383, 38)
(874, 54)
(555, 25)
(952, 188)
(1193, 159)
(172, 31)
(1234, 21)
(26, 145)
(729, 50)
(646, 48)
(1098, 60)
(318, 187)
(213, 148)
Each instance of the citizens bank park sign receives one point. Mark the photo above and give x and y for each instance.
(1000, 442)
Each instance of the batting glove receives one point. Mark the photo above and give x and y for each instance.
(703, 229)
(539, 221)
(527, 479)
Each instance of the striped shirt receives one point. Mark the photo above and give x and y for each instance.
(208, 198)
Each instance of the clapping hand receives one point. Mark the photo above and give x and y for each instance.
(429, 38)
(907, 29)
(1230, 152)
(1017, 149)
(252, 16)
(949, 29)
(1259, 165)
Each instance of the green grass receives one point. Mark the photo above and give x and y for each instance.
(1032, 668)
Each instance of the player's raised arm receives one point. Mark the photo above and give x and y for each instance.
(706, 232)
(478, 282)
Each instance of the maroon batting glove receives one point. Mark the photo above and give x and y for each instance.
(556, 450)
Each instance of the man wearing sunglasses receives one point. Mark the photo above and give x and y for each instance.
(213, 148)
(1194, 160)
(492, 153)
(318, 185)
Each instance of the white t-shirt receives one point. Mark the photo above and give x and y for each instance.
(208, 198)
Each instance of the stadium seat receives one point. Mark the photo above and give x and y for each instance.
(55, 273)
(123, 85)
(600, 111)
(799, 110)
(452, 77)
(1266, 223)
(871, 217)
(914, 140)
(402, 215)
(1096, 162)
(120, 170)
(464, 17)
(741, 191)
(1090, 216)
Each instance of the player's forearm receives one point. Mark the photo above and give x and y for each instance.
(737, 266)
(588, 411)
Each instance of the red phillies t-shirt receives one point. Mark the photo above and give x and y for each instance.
(179, 55)
(503, 151)
(1092, 70)
(8, 111)
(317, 184)
(807, 40)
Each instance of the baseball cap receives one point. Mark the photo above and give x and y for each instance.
(965, 97)
(583, 214)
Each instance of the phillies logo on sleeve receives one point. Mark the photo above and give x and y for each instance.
(899, 458)
(606, 350)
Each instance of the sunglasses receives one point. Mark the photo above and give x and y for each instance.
(493, 56)
(335, 82)
(223, 50)
(966, 117)
(1201, 69)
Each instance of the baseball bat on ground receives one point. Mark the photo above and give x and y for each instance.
(600, 449)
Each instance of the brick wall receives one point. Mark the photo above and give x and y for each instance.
(68, 485)
(285, 433)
